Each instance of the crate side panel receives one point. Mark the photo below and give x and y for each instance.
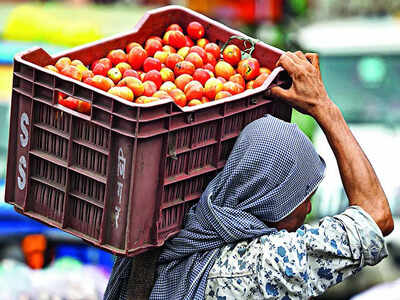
(51, 173)
(89, 159)
(233, 124)
(92, 134)
(87, 187)
(118, 190)
(84, 217)
(204, 133)
(50, 143)
(46, 201)
(48, 116)
(146, 190)
(20, 142)
(201, 158)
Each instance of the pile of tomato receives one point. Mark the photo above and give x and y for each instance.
(185, 68)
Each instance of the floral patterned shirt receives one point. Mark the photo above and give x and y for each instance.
(300, 264)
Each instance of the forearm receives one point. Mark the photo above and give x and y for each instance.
(358, 176)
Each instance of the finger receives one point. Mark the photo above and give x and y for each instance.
(294, 57)
(300, 55)
(280, 93)
(287, 63)
(313, 59)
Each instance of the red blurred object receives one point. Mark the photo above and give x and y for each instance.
(34, 246)
(248, 11)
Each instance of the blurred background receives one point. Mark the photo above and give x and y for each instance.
(359, 46)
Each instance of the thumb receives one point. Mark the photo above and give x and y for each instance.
(280, 93)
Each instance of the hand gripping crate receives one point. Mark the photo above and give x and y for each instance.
(123, 177)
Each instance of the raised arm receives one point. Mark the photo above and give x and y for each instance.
(308, 95)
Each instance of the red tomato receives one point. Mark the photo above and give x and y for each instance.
(214, 49)
(84, 107)
(174, 27)
(195, 30)
(249, 68)
(155, 77)
(260, 80)
(71, 103)
(132, 45)
(202, 42)
(237, 78)
(201, 75)
(200, 51)
(156, 38)
(184, 67)
(178, 96)
(136, 57)
(209, 67)
(176, 39)
(152, 46)
(189, 42)
(195, 59)
(211, 59)
(151, 63)
(232, 54)
(172, 60)
(194, 90)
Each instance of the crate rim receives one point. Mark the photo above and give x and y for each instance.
(250, 92)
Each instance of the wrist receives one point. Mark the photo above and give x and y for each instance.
(327, 113)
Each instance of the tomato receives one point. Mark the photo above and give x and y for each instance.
(232, 54)
(194, 102)
(222, 94)
(214, 49)
(195, 59)
(182, 80)
(84, 107)
(249, 68)
(189, 42)
(211, 59)
(202, 42)
(71, 103)
(152, 46)
(178, 96)
(172, 60)
(224, 69)
(184, 67)
(151, 63)
(117, 56)
(237, 78)
(176, 39)
(155, 77)
(201, 75)
(156, 38)
(260, 80)
(129, 47)
(200, 51)
(149, 88)
(174, 27)
(194, 90)
(136, 57)
(195, 30)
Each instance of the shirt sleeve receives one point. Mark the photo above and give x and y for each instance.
(340, 246)
(314, 258)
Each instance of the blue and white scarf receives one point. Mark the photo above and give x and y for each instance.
(271, 170)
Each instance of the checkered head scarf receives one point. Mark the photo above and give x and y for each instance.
(271, 170)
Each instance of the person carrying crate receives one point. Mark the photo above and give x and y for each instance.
(246, 237)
